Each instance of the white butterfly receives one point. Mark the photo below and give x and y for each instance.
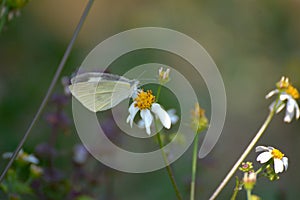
(101, 91)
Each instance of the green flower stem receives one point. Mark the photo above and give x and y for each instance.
(194, 167)
(245, 154)
(236, 188)
(262, 168)
(158, 93)
(168, 168)
(248, 194)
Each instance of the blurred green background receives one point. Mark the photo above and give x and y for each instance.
(253, 43)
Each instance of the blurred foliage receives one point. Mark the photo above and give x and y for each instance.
(253, 43)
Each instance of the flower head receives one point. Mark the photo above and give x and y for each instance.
(145, 103)
(163, 75)
(36, 171)
(199, 120)
(246, 167)
(268, 153)
(23, 157)
(287, 97)
(249, 180)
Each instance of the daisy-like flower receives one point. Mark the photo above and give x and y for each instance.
(145, 103)
(22, 156)
(287, 97)
(280, 162)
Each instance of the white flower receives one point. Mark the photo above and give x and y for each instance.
(144, 102)
(287, 95)
(280, 162)
(30, 158)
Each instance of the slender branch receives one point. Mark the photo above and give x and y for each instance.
(244, 155)
(50, 89)
(194, 167)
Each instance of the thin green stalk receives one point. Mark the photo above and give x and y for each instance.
(262, 168)
(244, 155)
(168, 167)
(236, 188)
(194, 167)
(248, 194)
(50, 89)
(158, 92)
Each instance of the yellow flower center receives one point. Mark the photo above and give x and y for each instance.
(144, 100)
(277, 154)
(286, 86)
(292, 91)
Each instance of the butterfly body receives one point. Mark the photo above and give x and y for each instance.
(101, 91)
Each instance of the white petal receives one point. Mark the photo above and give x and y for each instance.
(271, 106)
(174, 119)
(297, 110)
(7, 155)
(147, 118)
(128, 118)
(135, 93)
(282, 105)
(162, 115)
(288, 117)
(271, 93)
(284, 97)
(291, 105)
(132, 108)
(290, 112)
(264, 157)
(278, 166)
(171, 111)
(141, 124)
(261, 148)
(270, 148)
(132, 112)
(31, 159)
(285, 162)
(160, 70)
(173, 116)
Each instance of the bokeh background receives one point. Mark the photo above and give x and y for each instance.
(253, 44)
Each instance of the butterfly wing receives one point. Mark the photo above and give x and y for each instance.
(101, 91)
